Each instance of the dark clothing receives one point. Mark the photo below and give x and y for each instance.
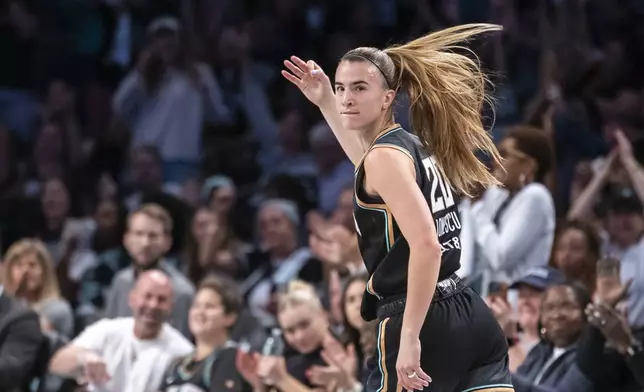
(540, 373)
(463, 347)
(21, 343)
(298, 364)
(215, 373)
(608, 369)
(384, 249)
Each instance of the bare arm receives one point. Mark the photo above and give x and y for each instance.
(391, 174)
(348, 140)
(316, 87)
(584, 203)
(66, 361)
(633, 168)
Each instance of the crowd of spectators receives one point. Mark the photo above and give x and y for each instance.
(170, 207)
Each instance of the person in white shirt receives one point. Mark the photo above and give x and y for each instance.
(512, 228)
(127, 354)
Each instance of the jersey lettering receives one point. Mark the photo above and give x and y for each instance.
(438, 201)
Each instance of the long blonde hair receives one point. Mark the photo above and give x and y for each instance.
(49, 288)
(447, 91)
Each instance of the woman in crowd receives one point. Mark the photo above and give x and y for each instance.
(28, 273)
(576, 251)
(307, 334)
(513, 226)
(211, 248)
(220, 194)
(211, 368)
(551, 364)
(353, 321)
(521, 328)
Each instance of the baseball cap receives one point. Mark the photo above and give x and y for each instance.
(540, 278)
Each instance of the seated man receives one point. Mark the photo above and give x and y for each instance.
(20, 344)
(127, 354)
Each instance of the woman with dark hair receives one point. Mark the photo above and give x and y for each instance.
(575, 252)
(353, 323)
(513, 226)
(210, 248)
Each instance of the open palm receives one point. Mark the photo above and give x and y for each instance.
(310, 79)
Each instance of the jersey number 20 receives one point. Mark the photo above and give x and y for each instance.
(443, 199)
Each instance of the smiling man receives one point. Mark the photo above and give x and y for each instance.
(131, 353)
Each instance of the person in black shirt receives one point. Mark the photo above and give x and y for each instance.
(212, 365)
(406, 196)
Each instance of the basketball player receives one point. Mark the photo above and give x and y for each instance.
(406, 198)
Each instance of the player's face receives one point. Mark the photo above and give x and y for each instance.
(360, 96)
(207, 315)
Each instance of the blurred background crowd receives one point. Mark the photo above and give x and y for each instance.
(168, 202)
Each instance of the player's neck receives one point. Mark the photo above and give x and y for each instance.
(371, 132)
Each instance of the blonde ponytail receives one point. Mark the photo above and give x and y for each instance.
(447, 93)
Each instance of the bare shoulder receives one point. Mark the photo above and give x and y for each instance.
(387, 159)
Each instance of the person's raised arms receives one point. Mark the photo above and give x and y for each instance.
(316, 87)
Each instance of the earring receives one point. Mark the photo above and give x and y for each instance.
(543, 331)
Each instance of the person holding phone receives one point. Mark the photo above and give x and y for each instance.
(521, 327)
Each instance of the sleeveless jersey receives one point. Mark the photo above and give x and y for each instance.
(384, 249)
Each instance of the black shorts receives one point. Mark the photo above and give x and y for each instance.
(463, 348)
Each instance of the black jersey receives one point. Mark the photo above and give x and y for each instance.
(384, 249)
(216, 372)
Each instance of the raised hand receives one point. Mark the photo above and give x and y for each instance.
(624, 147)
(94, 369)
(310, 79)
(246, 363)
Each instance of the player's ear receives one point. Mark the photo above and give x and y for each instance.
(388, 100)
